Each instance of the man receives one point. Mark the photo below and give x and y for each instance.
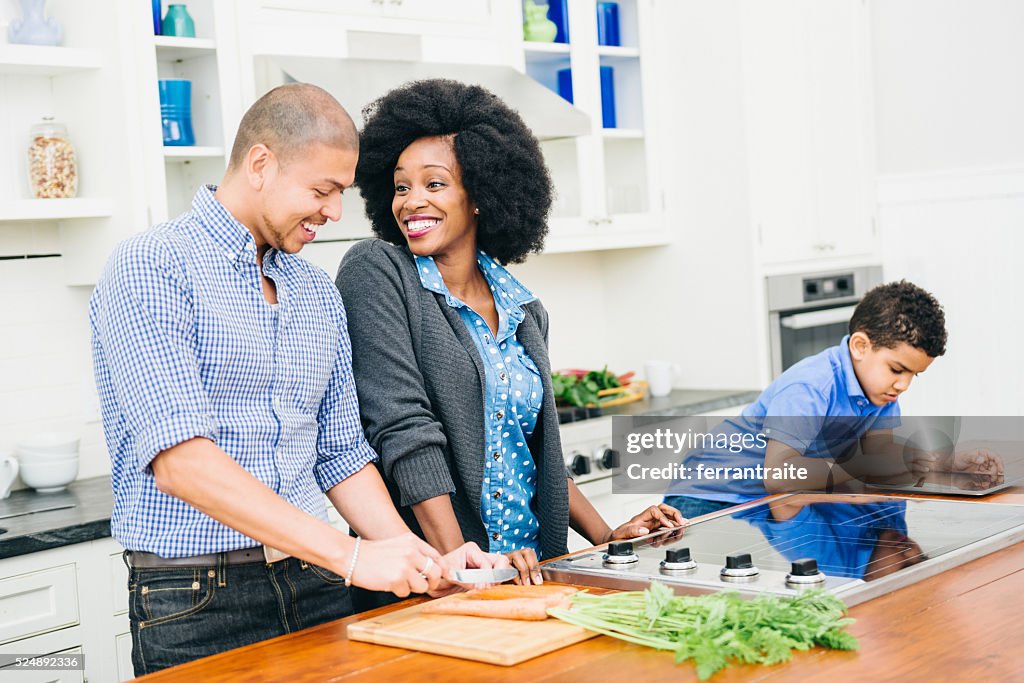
(224, 371)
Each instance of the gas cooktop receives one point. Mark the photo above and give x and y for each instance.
(855, 546)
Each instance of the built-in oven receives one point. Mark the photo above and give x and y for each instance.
(809, 312)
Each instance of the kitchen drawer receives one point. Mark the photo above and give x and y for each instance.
(45, 676)
(118, 584)
(38, 602)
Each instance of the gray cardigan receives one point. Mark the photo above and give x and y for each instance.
(420, 382)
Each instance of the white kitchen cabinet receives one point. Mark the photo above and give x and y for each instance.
(808, 101)
(607, 194)
(64, 600)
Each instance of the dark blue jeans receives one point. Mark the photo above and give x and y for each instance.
(691, 507)
(183, 613)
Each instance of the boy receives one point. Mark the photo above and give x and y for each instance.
(828, 419)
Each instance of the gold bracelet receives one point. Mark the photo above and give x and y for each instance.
(352, 564)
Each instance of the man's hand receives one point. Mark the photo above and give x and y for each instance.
(654, 517)
(402, 565)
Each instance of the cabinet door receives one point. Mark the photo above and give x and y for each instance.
(808, 106)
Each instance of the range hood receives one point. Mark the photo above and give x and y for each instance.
(357, 82)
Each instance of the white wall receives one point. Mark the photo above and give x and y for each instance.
(947, 81)
(951, 192)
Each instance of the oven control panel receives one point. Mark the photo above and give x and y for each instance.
(828, 287)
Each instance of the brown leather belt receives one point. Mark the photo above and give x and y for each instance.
(138, 559)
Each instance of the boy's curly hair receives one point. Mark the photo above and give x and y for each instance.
(901, 312)
(503, 169)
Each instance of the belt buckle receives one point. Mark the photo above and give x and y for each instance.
(273, 555)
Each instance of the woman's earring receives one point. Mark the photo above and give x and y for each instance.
(476, 212)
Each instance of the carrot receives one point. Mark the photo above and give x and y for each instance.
(507, 591)
(525, 609)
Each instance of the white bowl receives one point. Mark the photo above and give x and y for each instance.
(49, 476)
(50, 442)
(26, 454)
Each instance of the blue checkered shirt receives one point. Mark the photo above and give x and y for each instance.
(185, 345)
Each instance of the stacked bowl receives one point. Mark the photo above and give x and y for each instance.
(48, 461)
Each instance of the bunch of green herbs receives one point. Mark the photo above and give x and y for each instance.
(715, 629)
(580, 390)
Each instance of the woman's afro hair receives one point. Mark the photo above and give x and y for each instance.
(503, 169)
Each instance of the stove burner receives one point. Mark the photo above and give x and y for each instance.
(620, 553)
(804, 572)
(678, 560)
(739, 568)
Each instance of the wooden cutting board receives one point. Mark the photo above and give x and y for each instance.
(496, 641)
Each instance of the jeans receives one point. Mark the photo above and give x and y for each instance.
(691, 507)
(183, 613)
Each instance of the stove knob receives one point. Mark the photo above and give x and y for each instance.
(580, 465)
(805, 567)
(804, 573)
(621, 549)
(678, 556)
(738, 561)
(610, 459)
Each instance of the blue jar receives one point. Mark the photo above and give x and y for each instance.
(608, 23)
(178, 22)
(558, 12)
(176, 112)
(565, 84)
(156, 17)
(608, 97)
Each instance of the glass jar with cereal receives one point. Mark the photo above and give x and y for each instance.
(52, 171)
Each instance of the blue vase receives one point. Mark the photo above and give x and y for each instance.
(178, 22)
(34, 27)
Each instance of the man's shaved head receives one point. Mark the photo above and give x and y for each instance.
(289, 119)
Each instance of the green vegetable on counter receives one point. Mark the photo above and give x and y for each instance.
(580, 389)
(714, 629)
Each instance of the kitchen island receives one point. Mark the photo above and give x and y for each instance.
(964, 623)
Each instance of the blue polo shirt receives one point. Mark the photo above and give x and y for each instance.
(817, 407)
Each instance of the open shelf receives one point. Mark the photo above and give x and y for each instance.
(54, 209)
(623, 133)
(182, 154)
(174, 48)
(618, 51)
(545, 48)
(37, 60)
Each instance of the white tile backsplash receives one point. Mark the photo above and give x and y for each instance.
(45, 363)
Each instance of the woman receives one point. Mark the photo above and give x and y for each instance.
(449, 350)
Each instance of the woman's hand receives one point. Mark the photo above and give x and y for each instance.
(525, 560)
(467, 556)
(654, 517)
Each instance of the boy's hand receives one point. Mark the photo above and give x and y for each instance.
(929, 461)
(979, 460)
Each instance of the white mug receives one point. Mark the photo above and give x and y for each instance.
(660, 376)
(8, 473)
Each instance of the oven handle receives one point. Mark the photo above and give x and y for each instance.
(830, 316)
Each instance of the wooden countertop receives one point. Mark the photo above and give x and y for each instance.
(964, 623)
